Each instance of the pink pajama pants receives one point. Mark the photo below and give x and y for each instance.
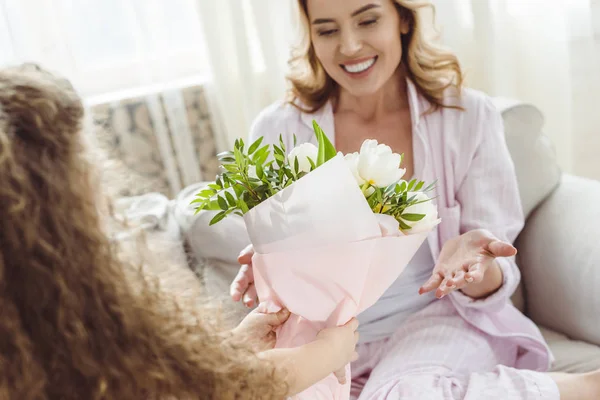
(437, 355)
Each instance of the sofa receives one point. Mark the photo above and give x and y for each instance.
(558, 254)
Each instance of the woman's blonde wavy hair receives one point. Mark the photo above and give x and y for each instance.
(72, 326)
(432, 69)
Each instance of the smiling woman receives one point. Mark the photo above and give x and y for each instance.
(445, 329)
(372, 41)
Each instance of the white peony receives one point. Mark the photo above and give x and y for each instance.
(302, 153)
(427, 207)
(377, 165)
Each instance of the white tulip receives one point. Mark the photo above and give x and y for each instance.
(302, 153)
(352, 162)
(378, 165)
(427, 208)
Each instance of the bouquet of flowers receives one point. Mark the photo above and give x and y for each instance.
(331, 232)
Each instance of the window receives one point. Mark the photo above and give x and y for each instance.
(106, 45)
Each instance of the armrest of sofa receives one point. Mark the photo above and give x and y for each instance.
(559, 258)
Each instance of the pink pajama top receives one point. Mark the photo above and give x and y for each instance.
(476, 188)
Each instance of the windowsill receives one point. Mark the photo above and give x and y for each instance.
(141, 91)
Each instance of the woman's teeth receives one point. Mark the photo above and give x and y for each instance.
(360, 67)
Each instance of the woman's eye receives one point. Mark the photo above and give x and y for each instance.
(328, 32)
(369, 22)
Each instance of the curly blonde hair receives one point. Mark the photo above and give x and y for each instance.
(72, 325)
(432, 69)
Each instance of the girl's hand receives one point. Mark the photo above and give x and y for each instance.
(258, 329)
(242, 287)
(467, 262)
(340, 344)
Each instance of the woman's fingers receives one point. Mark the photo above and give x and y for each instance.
(475, 273)
(246, 254)
(432, 284)
(241, 282)
(445, 287)
(250, 297)
(498, 248)
(458, 280)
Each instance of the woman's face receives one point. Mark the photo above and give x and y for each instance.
(357, 41)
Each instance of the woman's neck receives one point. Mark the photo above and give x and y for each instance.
(390, 98)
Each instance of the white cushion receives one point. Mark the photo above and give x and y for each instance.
(532, 152)
(222, 241)
(560, 260)
(571, 355)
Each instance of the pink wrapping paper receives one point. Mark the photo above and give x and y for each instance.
(322, 253)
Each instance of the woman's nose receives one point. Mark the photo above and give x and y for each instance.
(350, 43)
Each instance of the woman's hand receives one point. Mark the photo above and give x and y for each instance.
(242, 287)
(467, 262)
(258, 329)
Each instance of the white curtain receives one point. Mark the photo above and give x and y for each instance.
(526, 49)
(248, 46)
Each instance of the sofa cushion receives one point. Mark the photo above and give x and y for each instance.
(560, 257)
(571, 355)
(532, 152)
(222, 241)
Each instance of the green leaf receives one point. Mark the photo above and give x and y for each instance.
(206, 193)
(231, 168)
(214, 186)
(241, 145)
(390, 189)
(326, 149)
(412, 217)
(431, 186)
(261, 153)
(403, 187)
(404, 226)
(222, 203)
(312, 163)
(230, 199)
(238, 156)
(213, 205)
(295, 140)
(280, 159)
(411, 184)
(281, 144)
(238, 189)
(217, 218)
(255, 145)
(227, 182)
(243, 206)
(419, 186)
(224, 155)
(260, 172)
(296, 165)
(378, 194)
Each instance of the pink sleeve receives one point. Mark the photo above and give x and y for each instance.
(490, 200)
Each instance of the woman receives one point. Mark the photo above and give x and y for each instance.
(72, 325)
(446, 329)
